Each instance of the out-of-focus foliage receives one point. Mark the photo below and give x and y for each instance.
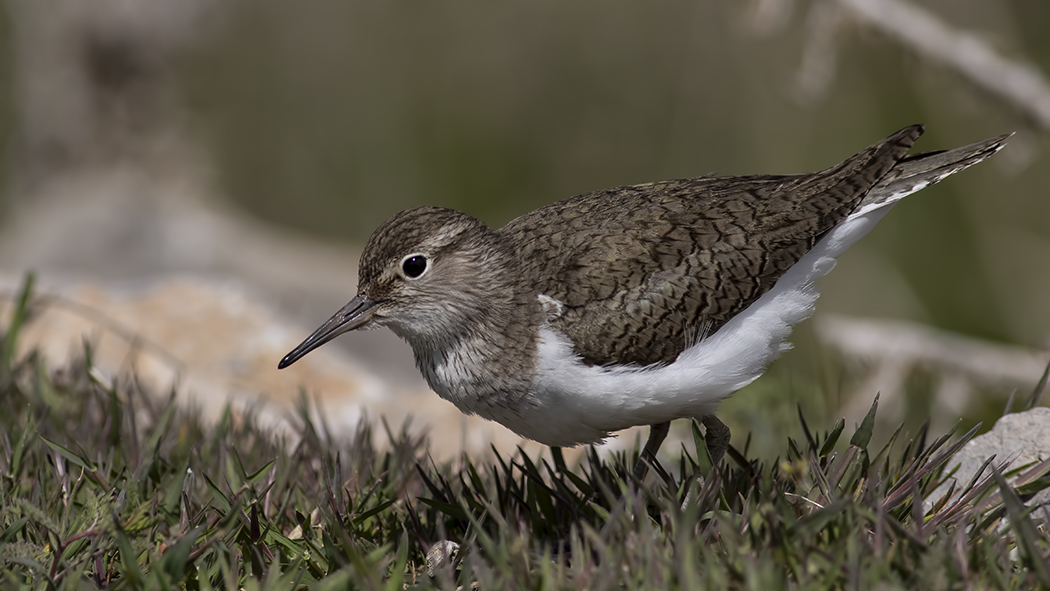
(332, 116)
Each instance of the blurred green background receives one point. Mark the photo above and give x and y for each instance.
(327, 117)
(331, 116)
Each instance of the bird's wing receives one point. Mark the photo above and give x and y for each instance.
(642, 272)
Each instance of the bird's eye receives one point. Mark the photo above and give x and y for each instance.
(414, 265)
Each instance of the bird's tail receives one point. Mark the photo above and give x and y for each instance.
(918, 171)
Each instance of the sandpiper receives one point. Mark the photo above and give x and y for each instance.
(630, 306)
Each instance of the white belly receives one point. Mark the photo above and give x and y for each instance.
(572, 403)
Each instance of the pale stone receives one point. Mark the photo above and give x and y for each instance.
(1018, 438)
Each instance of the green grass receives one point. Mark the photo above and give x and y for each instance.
(104, 485)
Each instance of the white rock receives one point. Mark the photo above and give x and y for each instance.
(1021, 438)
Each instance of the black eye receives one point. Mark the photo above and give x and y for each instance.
(414, 265)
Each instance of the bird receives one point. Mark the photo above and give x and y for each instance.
(629, 306)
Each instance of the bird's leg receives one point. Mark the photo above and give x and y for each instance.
(657, 434)
(717, 438)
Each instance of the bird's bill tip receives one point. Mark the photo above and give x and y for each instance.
(357, 313)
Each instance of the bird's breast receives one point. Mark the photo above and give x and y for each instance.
(478, 375)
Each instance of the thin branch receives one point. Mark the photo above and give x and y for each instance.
(1019, 83)
(907, 344)
(820, 55)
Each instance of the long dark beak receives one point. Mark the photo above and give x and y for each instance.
(352, 316)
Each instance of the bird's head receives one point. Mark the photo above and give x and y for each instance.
(425, 273)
